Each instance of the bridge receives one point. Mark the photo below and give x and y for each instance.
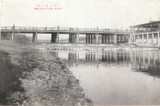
(92, 34)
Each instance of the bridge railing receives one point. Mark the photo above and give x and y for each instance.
(62, 29)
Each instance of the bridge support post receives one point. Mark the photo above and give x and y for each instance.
(91, 38)
(54, 38)
(34, 38)
(86, 38)
(158, 39)
(71, 38)
(77, 38)
(108, 39)
(102, 39)
(94, 38)
(57, 37)
(97, 38)
(12, 36)
(74, 38)
(121, 38)
(112, 39)
(118, 38)
(115, 38)
(105, 38)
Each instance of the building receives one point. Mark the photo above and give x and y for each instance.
(147, 34)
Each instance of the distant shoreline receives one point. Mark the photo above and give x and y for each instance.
(52, 46)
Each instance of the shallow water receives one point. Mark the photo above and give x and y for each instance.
(116, 76)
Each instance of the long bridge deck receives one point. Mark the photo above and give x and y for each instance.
(63, 30)
(92, 34)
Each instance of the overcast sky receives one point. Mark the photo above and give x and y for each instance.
(79, 13)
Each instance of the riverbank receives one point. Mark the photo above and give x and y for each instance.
(43, 79)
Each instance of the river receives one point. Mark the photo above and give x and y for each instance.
(116, 76)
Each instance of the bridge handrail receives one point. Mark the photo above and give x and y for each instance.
(61, 29)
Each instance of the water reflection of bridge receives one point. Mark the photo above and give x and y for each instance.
(146, 61)
(94, 57)
(141, 61)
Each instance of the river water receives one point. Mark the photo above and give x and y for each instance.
(116, 76)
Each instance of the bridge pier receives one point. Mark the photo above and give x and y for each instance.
(115, 38)
(74, 38)
(77, 38)
(34, 38)
(118, 39)
(12, 36)
(89, 38)
(57, 37)
(92, 38)
(112, 39)
(54, 37)
(97, 38)
(86, 38)
(103, 37)
(108, 37)
(158, 38)
(70, 38)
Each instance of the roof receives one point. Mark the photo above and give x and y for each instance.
(151, 23)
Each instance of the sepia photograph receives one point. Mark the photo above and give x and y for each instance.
(79, 52)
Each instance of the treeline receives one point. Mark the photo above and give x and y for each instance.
(8, 36)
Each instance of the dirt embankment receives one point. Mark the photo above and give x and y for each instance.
(45, 80)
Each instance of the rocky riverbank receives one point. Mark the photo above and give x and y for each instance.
(43, 79)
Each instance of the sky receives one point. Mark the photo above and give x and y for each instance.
(79, 13)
